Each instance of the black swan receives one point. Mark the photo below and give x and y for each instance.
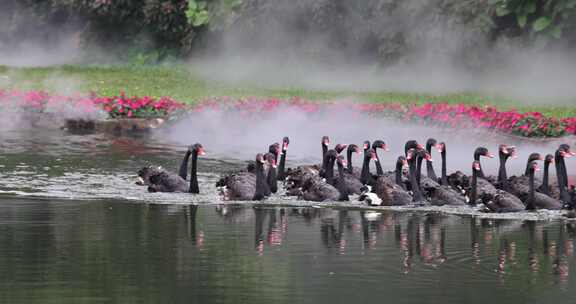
(341, 183)
(386, 190)
(169, 182)
(365, 176)
(545, 186)
(352, 148)
(146, 172)
(504, 153)
(522, 186)
(397, 176)
(495, 200)
(437, 194)
(412, 157)
(351, 181)
(271, 177)
(296, 177)
(430, 143)
(379, 144)
(246, 186)
(282, 164)
(481, 151)
(562, 152)
(318, 189)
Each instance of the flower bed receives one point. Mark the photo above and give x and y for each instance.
(92, 107)
(529, 124)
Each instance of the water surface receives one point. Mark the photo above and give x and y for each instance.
(74, 228)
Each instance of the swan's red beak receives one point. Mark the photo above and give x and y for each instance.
(344, 163)
(419, 146)
(273, 163)
(404, 163)
(428, 157)
(440, 148)
(201, 152)
(570, 153)
(489, 155)
(365, 146)
(385, 148)
(285, 146)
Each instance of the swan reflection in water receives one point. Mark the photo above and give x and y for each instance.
(505, 247)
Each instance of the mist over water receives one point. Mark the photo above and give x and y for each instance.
(234, 136)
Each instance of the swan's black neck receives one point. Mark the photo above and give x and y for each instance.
(329, 172)
(530, 202)
(419, 169)
(417, 195)
(379, 170)
(342, 184)
(477, 158)
(398, 173)
(429, 167)
(349, 159)
(282, 166)
(272, 179)
(502, 175)
(562, 177)
(324, 150)
(365, 175)
(193, 177)
(544, 187)
(474, 188)
(261, 186)
(444, 180)
(184, 165)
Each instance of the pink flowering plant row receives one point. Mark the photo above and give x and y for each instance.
(120, 106)
(529, 124)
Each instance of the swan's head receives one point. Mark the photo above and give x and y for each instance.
(271, 159)
(274, 148)
(285, 143)
(505, 151)
(535, 157)
(412, 144)
(366, 145)
(441, 147)
(421, 153)
(353, 148)
(564, 151)
(379, 144)
(198, 149)
(325, 140)
(372, 155)
(549, 159)
(339, 148)
(260, 158)
(482, 151)
(430, 143)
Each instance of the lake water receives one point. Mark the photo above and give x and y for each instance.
(75, 229)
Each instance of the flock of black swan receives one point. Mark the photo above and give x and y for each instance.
(401, 187)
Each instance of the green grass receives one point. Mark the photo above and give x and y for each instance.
(184, 86)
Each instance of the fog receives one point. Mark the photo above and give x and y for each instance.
(238, 137)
